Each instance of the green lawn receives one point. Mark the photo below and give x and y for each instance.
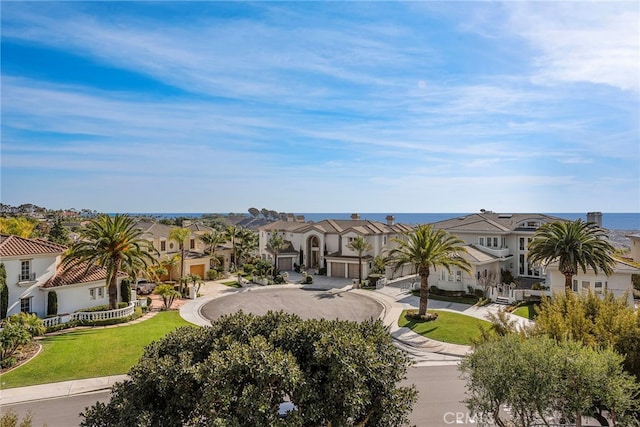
(232, 284)
(97, 352)
(450, 327)
(526, 311)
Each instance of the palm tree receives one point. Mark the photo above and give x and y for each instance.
(424, 248)
(231, 233)
(212, 239)
(111, 243)
(360, 245)
(573, 244)
(170, 263)
(247, 243)
(276, 243)
(180, 235)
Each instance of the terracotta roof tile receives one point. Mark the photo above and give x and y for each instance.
(18, 246)
(77, 274)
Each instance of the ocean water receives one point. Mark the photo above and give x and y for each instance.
(612, 221)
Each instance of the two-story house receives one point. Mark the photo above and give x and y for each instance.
(33, 270)
(325, 244)
(196, 261)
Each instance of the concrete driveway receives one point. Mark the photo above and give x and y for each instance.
(306, 303)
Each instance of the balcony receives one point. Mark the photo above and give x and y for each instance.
(26, 277)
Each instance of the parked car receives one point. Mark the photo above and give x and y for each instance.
(144, 287)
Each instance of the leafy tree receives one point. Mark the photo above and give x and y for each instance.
(168, 295)
(276, 243)
(424, 248)
(125, 290)
(596, 322)
(59, 233)
(238, 371)
(18, 330)
(180, 235)
(52, 303)
(254, 212)
(110, 242)
(540, 378)
(360, 245)
(18, 226)
(573, 244)
(11, 419)
(4, 292)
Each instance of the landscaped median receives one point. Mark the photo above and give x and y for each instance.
(90, 353)
(449, 327)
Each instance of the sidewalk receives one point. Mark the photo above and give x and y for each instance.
(391, 297)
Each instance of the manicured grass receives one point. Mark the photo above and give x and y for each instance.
(97, 352)
(450, 327)
(526, 311)
(232, 284)
(462, 300)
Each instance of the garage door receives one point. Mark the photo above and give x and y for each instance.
(285, 264)
(353, 271)
(198, 270)
(337, 269)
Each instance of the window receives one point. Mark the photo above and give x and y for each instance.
(384, 240)
(458, 276)
(163, 246)
(25, 305)
(25, 270)
(481, 241)
(522, 243)
(575, 285)
(598, 287)
(495, 242)
(521, 259)
(92, 293)
(488, 242)
(192, 244)
(585, 286)
(100, 292)
(504, 242)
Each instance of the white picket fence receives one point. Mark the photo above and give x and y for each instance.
(92, 315)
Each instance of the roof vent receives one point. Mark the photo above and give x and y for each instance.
(505, 215)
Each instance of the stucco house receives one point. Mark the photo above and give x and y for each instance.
(33, 270)
(324, 244)
(498, 242)
(635, 246)
(196, 261)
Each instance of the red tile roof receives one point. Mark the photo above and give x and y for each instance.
(19, 246)
(78, 274)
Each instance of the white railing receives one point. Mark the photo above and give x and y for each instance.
(91, 316)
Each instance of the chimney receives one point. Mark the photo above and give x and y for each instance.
(390, 219)
(595, 218)
(355, 216)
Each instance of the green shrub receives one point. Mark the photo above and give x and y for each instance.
(322, 271)
(212, 274)
(125, 290)
(278, 279)
(102, 307)
(4, 292)
(308, 280)
(428, 317)
(52, 303)
(479, 293)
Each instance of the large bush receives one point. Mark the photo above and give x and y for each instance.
(238, 371)
(17, 330)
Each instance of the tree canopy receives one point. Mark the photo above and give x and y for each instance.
(238, 371)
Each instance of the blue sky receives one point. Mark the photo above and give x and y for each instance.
(321, 106)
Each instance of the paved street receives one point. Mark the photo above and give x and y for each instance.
(440, 394)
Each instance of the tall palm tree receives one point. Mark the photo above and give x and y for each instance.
(232, 233)
(573, 244)
(247, 243)
(360, 245)
(180, 235)
(276, 243)
(424, 248)
(111, 243)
